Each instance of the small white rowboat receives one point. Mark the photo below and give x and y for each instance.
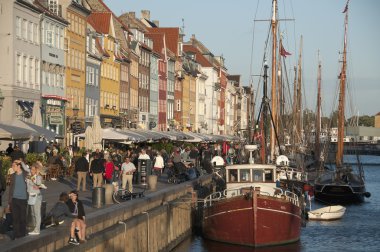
(327, 213)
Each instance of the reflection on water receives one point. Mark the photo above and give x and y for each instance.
(358, 230)
(197, 243)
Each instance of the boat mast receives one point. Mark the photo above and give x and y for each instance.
(342, 92)
(299, 98)
(317, 147)
(294, 119)
(274, 88)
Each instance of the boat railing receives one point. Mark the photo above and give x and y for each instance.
(237, 191)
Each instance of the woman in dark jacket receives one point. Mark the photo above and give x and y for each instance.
(77, 209)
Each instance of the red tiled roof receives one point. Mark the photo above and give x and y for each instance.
(158, 42)
(100, 21)
(107, 9)
(171, 37)
(199, 57)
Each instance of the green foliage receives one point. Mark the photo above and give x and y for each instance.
(6, 164)
(81, 151)
(168, 147)
(31, 158)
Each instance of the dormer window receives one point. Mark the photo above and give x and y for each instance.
(53, 6)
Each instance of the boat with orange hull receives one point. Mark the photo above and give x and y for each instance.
(252, 211)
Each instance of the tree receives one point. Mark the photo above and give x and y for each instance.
(367, 121)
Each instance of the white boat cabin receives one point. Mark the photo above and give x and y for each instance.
(255, 175)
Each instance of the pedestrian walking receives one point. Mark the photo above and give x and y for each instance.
(81, 168)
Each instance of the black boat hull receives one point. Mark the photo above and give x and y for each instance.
(339, 194)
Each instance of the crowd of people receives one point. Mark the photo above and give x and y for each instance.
(92, 169)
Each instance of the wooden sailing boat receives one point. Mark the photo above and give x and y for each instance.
(252, 211)
(343, 186)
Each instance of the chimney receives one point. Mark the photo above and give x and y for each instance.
(132, 15)
(156, 22)
(145, 14)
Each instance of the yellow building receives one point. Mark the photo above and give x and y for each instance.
(75, 48)
(110, 68)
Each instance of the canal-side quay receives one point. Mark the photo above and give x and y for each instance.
(159, 221)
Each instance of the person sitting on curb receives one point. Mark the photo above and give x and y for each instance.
(76, 208)
(59, 214)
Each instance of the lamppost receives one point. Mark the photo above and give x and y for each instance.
(75, 112)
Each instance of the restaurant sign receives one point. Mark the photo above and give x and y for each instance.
(55, 118)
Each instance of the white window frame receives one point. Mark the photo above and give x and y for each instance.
(49, 38)
(24, 29)
(30, 32)
(37, 73)
(19, 68)
(25, 69)
(35, 34)
(18, 27)
(31, 72)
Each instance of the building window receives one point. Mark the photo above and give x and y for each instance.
(25, 70)
(90, 76)
(24, 29)
(35, 34)
(49, 38)
(92, 45)
(37, 74)
(19, 68)
(30, 32)
(60, 38)
(18, 27)
(31, 72)
(53, 6)
(56, 40)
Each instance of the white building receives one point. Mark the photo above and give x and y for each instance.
(20, 58)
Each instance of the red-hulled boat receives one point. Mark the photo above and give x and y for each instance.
(252, 211)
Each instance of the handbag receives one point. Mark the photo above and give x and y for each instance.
(32, 199)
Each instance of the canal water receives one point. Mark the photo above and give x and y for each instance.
(358, 230)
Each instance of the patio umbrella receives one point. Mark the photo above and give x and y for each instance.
(10, 132)
(112, 134)
(133, 136)
(97, 133)
(36, 116)
(88, 138)
(38, 132)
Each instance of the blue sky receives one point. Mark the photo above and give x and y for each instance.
(227, 28)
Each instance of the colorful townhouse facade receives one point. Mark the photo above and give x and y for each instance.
(53, 68)
(75, 59)
(103, 23)
(75, 51)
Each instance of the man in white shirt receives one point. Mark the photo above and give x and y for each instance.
(143, 155)
(127, 169)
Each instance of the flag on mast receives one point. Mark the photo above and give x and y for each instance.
(283, 52)
(346, 8)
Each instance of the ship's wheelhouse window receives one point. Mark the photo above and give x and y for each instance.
(232, 175)
(257, 175)
(268, 175)
(245, 175)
